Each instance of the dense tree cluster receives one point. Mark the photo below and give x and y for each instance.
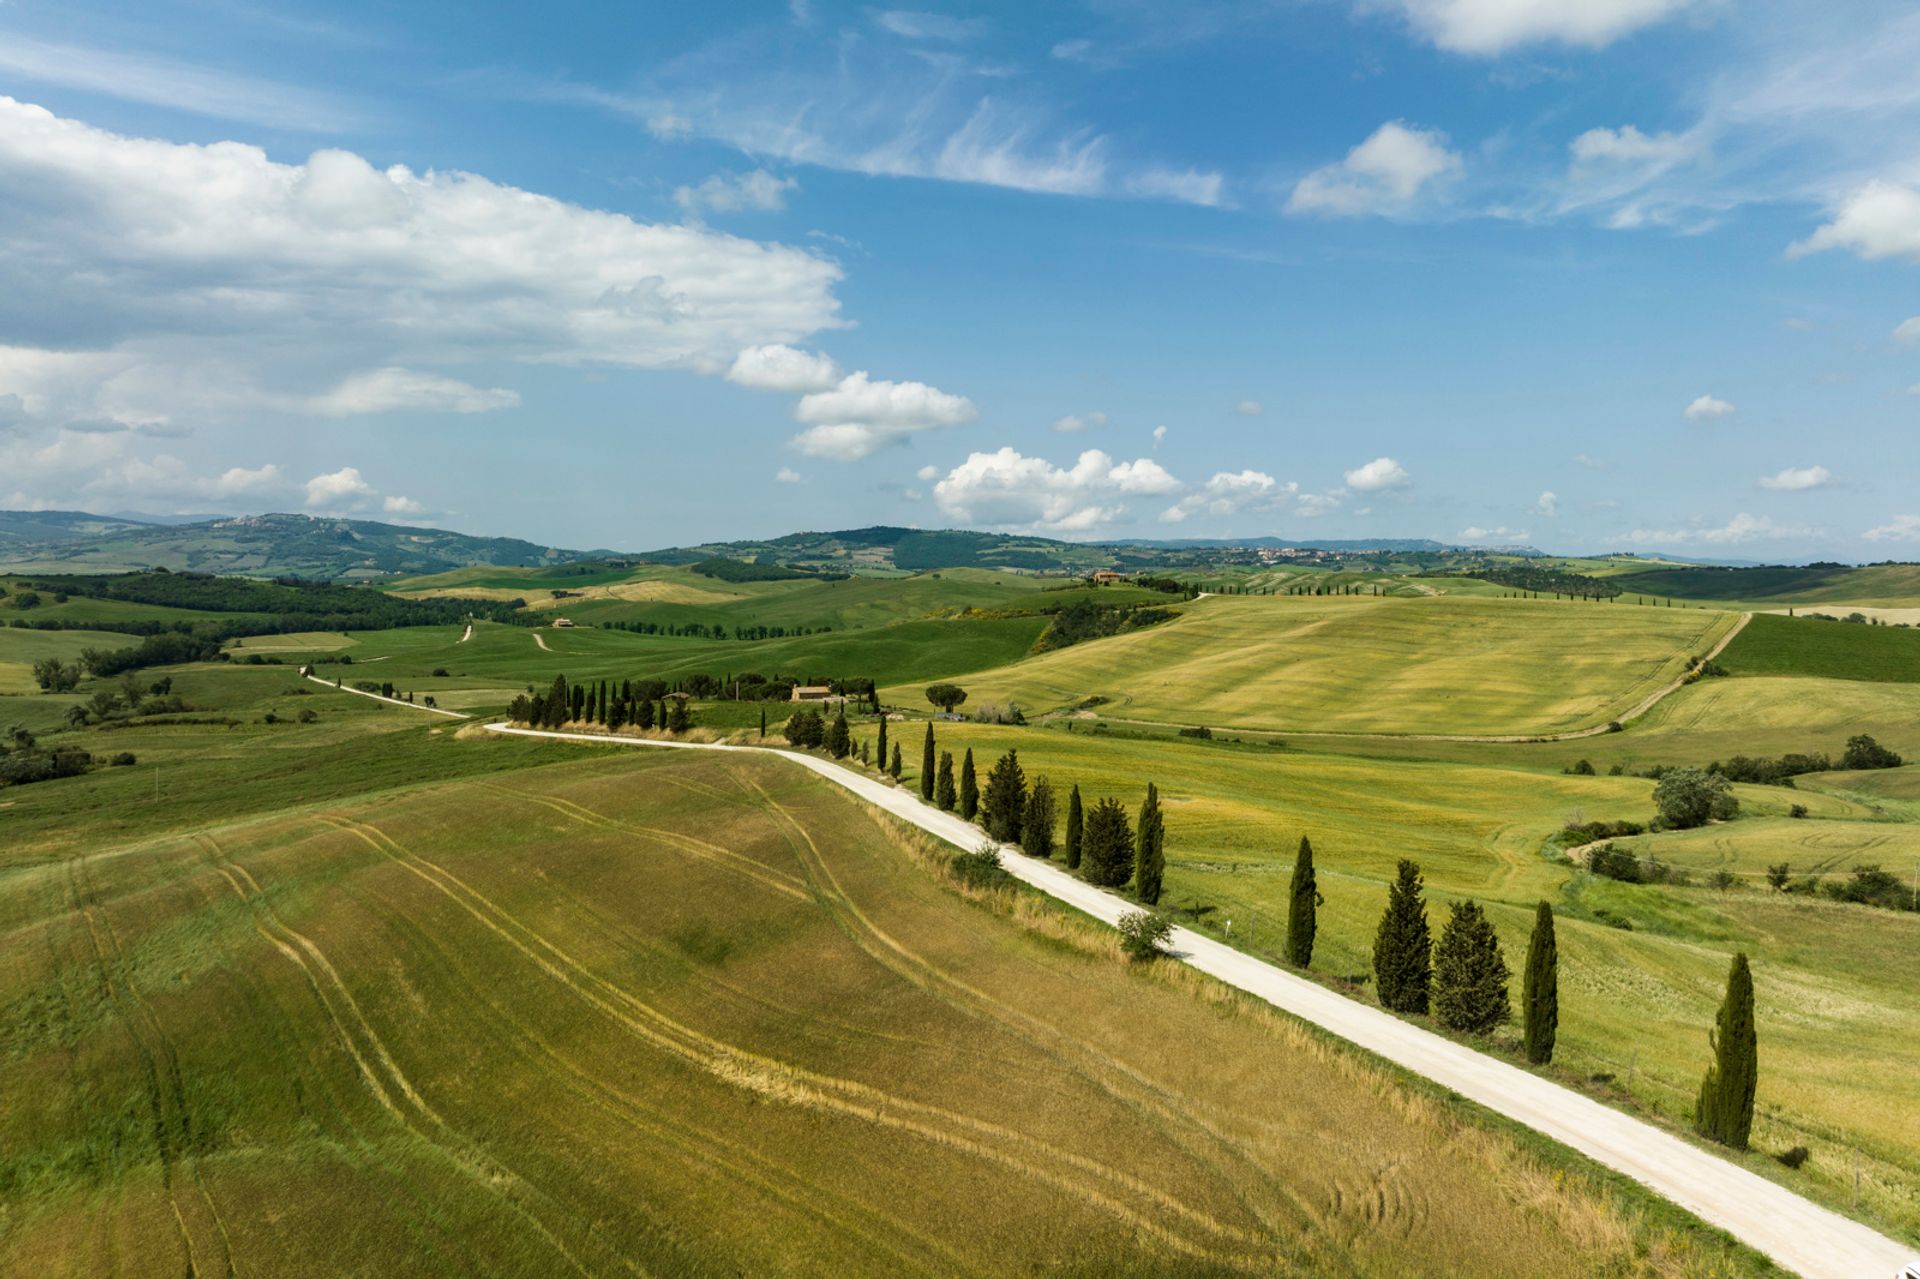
(709, 630)
(1540, 580)
(1085, 620)
(643, 704)
(724, 569)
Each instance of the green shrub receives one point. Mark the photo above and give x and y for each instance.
(1143, 934)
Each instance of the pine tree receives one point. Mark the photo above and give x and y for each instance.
(880, 750)
(1149, 849)
(969, 788)
(1540, 991)
(1302, 908)
(944, 794)
(894, 766)
(1403, 948)
(1036, 823)
(1076, 824)
(1107, 845)
(1725, 1109)
(1469, 973)
(927, 765)
(839, 740)
(1003, 803)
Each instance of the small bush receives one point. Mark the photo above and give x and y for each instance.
(439, 672)
(308, 715)
(1580, 768)
(980, 868)
(1794, 1157)
(1143, 933)
(1204, 733)
(1798, 810)
(122, 759)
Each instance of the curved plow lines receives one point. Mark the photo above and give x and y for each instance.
(1072, 1174)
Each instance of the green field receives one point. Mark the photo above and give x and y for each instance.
(1369, 665)
(1775, 645)
(20, 649)
(686, 1016)
(1883, 585)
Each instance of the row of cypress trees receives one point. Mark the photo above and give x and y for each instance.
(614, 705)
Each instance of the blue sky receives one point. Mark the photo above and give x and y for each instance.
(1589, 274)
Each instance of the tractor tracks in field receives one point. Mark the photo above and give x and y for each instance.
(167, 1106)
(378, 1070)
(1128, 1199)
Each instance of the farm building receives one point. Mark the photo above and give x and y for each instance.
(1105, 577)
(560, 622)
(815, 693)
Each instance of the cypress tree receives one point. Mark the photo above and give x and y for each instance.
(944, 794)
(679, 718)
(1076, 824)
(969, 788)
(839, 740)
(866, 751)
(1725, 1109)
(894, 766)
(643, 713)
(763, 721)
(927, 765)
(1149, 849)
(1403, 948)
(1036, 824)
(1107, 845)
(1540, 992)
(600, 709)
(1469, 973)
(1004, 802)
(1302, 908)
(880, 750)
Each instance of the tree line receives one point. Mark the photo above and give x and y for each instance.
(645, 705)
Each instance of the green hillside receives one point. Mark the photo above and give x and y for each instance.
(1776, 645)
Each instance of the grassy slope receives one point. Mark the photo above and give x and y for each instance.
(1839, 985)
(20, 649)
(1775, 645)
(1353, 664)
(690, 1014)
(1885, 585)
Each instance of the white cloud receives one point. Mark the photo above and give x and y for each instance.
(236, 481)
(341, 487)
(756, 192)
(1006, 489)
(1878, 220)
(250, 282)
(783, 368)
(1548, 504)
(928, 26)
(1229, 493)
(1310, 505)
(787, 475)
(1492, 536)
(1491, 27)
(1080, 421)
(394, 389)
(1381, 473)
(861, 415)
(1249, 408)
(1908, 331)
(1795, 480)
(1383, 175)
(1186, 186)
(1159, 436)
(1627, 144)
(1705, 408)
(1589, 461)
(1903, 528)
(397, 505)
(927, 474)
(1741, 528)
(1621, 171)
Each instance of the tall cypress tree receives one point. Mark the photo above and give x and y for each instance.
(1540, 991)
(1004, 802)
(927, 765)
(600, 702)
(643, 713)
(763, 721)
(1469, 973)
(969, 788)
(944, 794)
(1036, 823)
(894, 766)
(1076, 826)
(1149, 849)
(1403, 948)
(880, 750)
(839, 738)
(679, 718)
(1107, 845)
(1725, 1109)
(1302, 908)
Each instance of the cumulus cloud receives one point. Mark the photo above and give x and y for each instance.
(1548, 503)
(927, 474)
(390, 389)
(1908, 331)
(1249, 408)
(1794, 480)
(1005, 489)
(784, 368)
(1491, 27)
(1159, 436)
(862, 415)
(1902, 528)
(787, 475)
(1741, 528)
(1229, 493)
(1080, 421)
(239, 481)
(1492, 536)
(1381, 473)
(397, 505)
(1706, 408)
(1878, 220)
(1383, 175)
(187, 281)
(755, 192)
(343, 487)
(1620, 170)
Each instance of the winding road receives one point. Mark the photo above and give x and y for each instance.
(1798, 1234)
